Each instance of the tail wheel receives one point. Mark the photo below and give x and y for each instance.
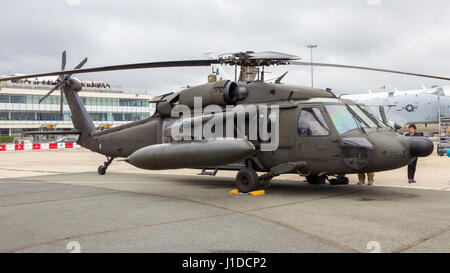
(247, 180)
(101, 170)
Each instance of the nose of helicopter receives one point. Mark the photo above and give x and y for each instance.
(386, 151)
(420, 147)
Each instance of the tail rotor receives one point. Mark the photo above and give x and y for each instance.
(62, 81)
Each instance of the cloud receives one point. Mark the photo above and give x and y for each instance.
(403, 35)
(373, 2)
(73, 2)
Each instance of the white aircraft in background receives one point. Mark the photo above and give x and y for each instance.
(403, 107)
(436, 90)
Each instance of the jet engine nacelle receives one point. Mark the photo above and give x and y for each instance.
(220, 93)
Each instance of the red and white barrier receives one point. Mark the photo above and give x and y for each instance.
(39, 146)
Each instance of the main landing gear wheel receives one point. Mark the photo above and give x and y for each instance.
(102, 169)
(315, 179)
(246, 180)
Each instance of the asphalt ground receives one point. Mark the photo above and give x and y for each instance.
(50, 202)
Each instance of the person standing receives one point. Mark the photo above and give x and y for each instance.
(362, 177)
(412, 166)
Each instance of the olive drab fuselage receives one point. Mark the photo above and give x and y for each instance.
(364, 149)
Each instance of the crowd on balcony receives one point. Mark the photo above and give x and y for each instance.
(53, 82)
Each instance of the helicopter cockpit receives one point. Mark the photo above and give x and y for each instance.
(335, 126)
(345, 117)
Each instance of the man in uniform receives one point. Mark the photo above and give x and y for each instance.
(362, 177)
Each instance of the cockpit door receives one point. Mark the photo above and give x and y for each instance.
(317, 141)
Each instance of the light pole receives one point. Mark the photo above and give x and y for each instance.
(312, 79)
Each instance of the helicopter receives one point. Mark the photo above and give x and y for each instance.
(253, 126)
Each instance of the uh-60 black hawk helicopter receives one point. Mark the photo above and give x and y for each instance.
(318, 135)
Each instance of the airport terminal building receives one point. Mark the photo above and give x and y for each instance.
(107, 106)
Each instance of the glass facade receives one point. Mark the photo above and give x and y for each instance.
(133, 102)
(20, 110)
(34, 99)
(114, 115)
(55, 116)
(4, 98)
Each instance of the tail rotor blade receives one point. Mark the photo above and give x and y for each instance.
(80, 65)
(63, 60)
(50, 92)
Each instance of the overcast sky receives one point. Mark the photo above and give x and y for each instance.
(406, 35)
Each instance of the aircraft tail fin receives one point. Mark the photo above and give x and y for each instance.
(80, 117)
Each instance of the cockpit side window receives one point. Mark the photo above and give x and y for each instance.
(312, 123)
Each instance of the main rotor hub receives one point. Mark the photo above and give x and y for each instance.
(250, 58)
(249, 62)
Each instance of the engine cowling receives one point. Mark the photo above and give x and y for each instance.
(220, 93)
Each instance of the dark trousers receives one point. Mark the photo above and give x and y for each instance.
(412, 169)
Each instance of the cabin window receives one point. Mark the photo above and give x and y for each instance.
(312, 123)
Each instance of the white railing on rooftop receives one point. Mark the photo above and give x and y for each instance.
(112, 89)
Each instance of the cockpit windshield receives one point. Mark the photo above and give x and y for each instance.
(343, 119)
(363, 115)
(375, 115)
(349, 117)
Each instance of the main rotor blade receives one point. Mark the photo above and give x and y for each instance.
(49, 92)
(369, 68)
(186, 63)
(272, 55)
(63, 60)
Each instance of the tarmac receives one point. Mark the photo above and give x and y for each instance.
(53, 200)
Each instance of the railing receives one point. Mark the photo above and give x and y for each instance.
(112, 89)
(56, 122)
